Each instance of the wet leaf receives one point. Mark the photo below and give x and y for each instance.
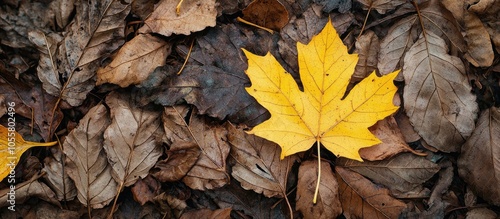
(437, 95)
(209, 171)
(135, 61)
(319, 114)
(479, 162)
(181, 157)
(12, 146)
(195, 15)
(402, 173)
(328, 204)
(86, 161)
(361, 198)
(132, 140)
(266, 13)
(258, 165)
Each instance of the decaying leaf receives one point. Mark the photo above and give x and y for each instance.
(86, 161)
(266, 13)
(214, 76)
(195, 15)
(208, 214)
(484, 146)
(402, 173)
(132, 140)
(209, 171)
(26, 190)
(393, 142)
(57, 178)
(145, 190)
(367, 47)
(361, 198)
(135, 61)
(299, 119)
(258, 165)
(381, 6)
(437, 97)
(182, 155)
(97, 30)
(12, 146)
(328, 205)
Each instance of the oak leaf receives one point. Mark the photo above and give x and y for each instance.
(320, 113)
(12, 146)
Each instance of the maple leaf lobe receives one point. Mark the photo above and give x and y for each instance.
(299, 119)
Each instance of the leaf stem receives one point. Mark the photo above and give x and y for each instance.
(319, 174)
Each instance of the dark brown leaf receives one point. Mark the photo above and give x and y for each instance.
(402, 173)
(361, 198)
(479, 162)
(208, 214)
(182, 155)
(328, 204)
(145, 190)
(209, 171)
(266, 13)
(258, 165)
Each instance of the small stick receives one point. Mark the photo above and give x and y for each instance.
(187, 58)
(255, 25)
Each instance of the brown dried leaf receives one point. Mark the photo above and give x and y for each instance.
(97, 30)
(381, 6)
(132, 140)
(26, 190)
(208, 214)
(135, 61)
(182, 156)
(328, 204)
(57, 179)
(479, 48)
(145, 190)
(402, 173)
(437, 95)
(483, 213)
(86, 161)
(393, 142)
(266, 13)
(209, 172)
(361, 198)
(484, 146)
(195, 15)
(367, 47)
(409, 134)
(258, 166)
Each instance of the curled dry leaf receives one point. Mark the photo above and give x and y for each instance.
(266, 13)
(132, 140)
(86, 161)
(393, 142)
(135, 61)
(57, 178)
(209, 171)
(26, 190)
(361, 198)
(381, 6)
(258, 165)
(367, 47)
(484, 145)
(479, 48)
(328, 204)
(208, 214)
(402, 173)
(97, 30)
(182, 155)
(437, 95)
(195, 15)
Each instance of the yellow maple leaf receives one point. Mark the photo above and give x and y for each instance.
(319, 114)
(12, 146)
